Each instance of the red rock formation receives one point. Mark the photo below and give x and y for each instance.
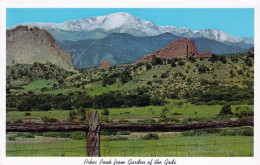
(182, 48)
(91, 69)
(105, 65)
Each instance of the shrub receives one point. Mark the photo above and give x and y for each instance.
(223, 59)
(226, 110)
(44, 89)
(30, 92)
(240, 72)
(60, 81)
(18, 121)
(203, 69)
(163, 115)
(204, 132)
(72, 115)
(176, 113)
(247, 131)
(196, 120)
(148, 66)
(51, 134)
(46, 119)
(192, 59)
(214, 58)
(27, 114)
(156, 101)
(108, 133)
(105, 112)
(25, 105)
(180, 103)
(146, 121)
(125, 133)
(244, 112)
(248, 62)
(156, 61)
(54, 85)
(65, 105)
(154, 76)
(28, 135)
(173, 119)
(188, 133)
(148, 83)
(165, 75)
(45, 107)
(173, 64)
(181, 63)
(78, 135)
(151, 136)
(232, 74)
(115, 139)
(125, 76)
(123, 121)
(11, 138)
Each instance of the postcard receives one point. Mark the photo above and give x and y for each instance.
(129, 83)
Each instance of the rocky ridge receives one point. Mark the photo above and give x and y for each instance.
(182, 48)
(28, 45)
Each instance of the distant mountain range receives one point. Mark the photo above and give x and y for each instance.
(120, 48)
(101, 26)
(123, 38)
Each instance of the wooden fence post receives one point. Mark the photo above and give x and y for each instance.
(93, 134)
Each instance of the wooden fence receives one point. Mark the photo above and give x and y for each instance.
(92, 128)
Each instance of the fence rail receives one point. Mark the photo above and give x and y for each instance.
(93, 127)
(60, 127)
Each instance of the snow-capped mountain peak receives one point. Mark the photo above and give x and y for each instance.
(127, 23)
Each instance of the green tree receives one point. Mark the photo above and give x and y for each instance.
(72, 116)
(43, 89)
(45, 107)
(164, 114)
(203, 69)
(148, 66)
(156, 61)
(223, 59)
(105, 112)
(173, 64)
(126, 76)
(181, 63)
(226, 110)
(192, 59)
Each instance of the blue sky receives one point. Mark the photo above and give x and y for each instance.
(237, 22)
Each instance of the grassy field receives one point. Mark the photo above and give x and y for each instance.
(14, 115)
(184, 111)
(179, 146)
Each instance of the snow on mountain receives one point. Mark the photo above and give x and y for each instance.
(217, 35)
(127, 23)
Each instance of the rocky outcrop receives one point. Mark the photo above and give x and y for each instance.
(105, 65)
(28, 45)
(181, 48)
(91, 69)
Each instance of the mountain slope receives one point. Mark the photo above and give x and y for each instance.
(28, 45)
(117, 48)
(98, 27)
(215, 47)
(120, 48)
